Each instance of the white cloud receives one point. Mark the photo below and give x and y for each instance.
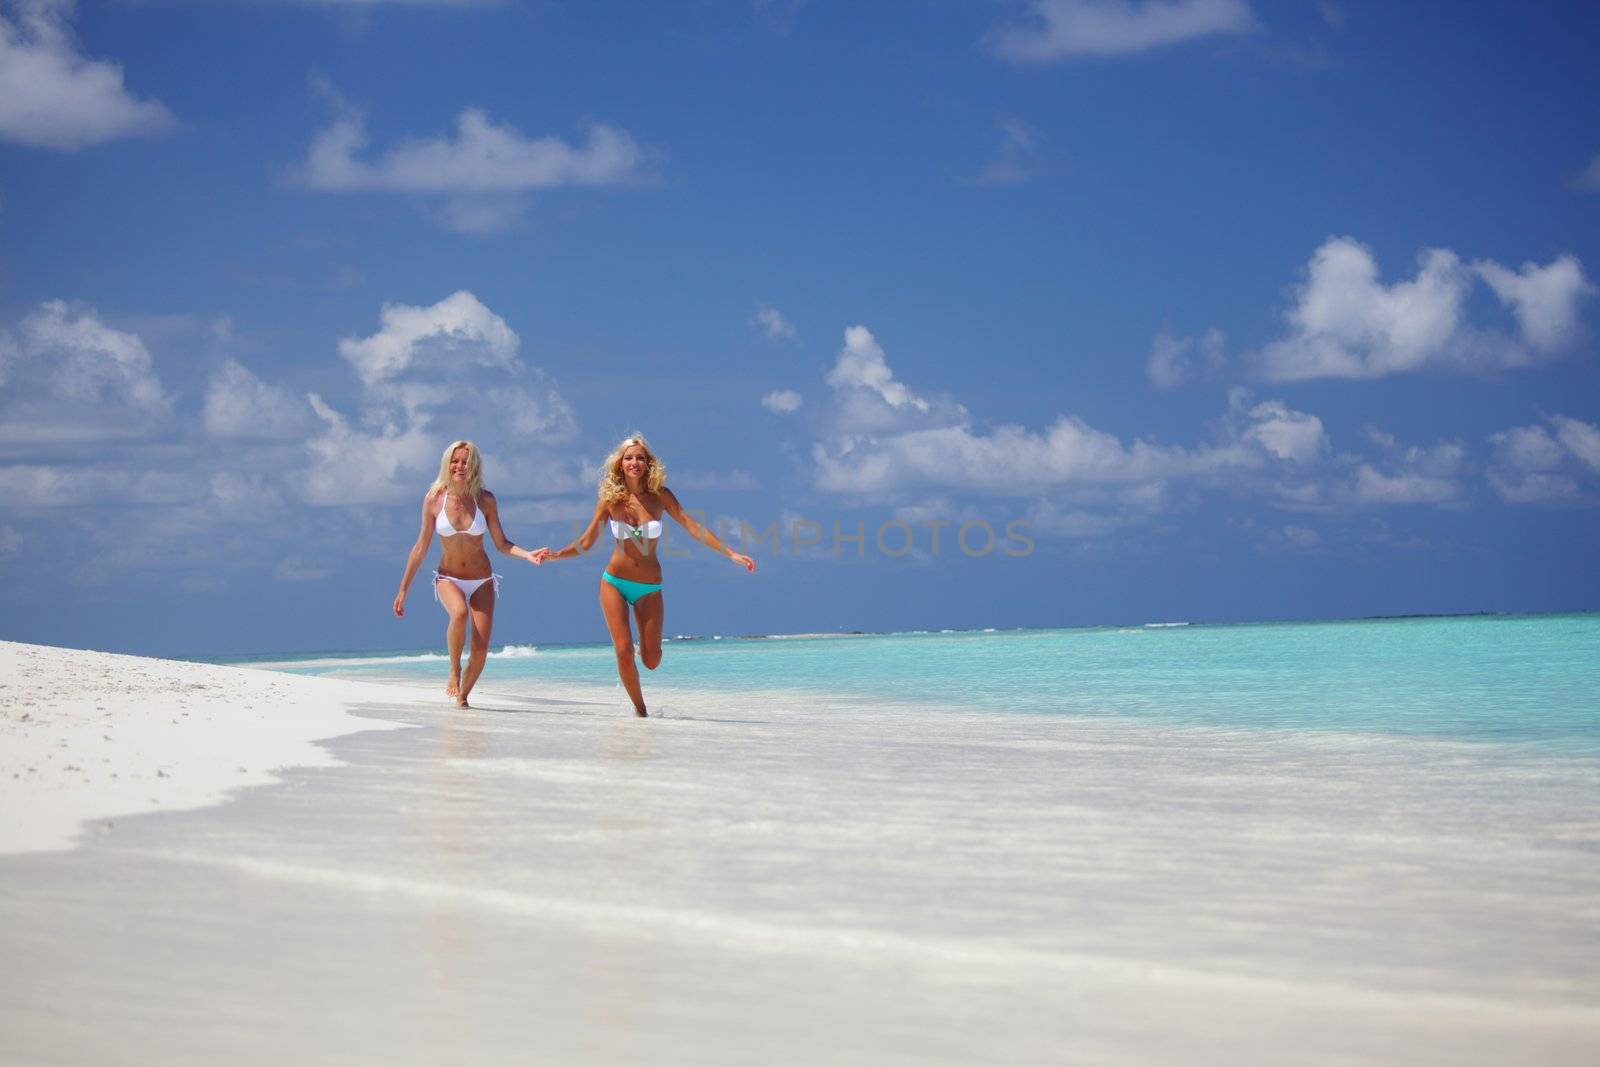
(782, 401)
(89, 394)
(771, 320)
(936, 446)
(1544, 299)
(172, 494)
(1175, 361)
(1344, 482)
(1533, 487)
(1532, 466)
(35, 486)
(861, 365)
(10, 540)
(868, 399)
(1287, 434)
(1414, 475)
(67, 377)
(349, 467)
(458, 329)
(1528, 448)
(1373, 486)
(537, 412)
(482, 158)
(449, 355)
(1010, 459)
(1580, 438)
(429, 375)
(1061, 29)
(238, 404)
(483, 170)
(1588, 179)
(52, 96)
(1347, 324)
(1087, 482)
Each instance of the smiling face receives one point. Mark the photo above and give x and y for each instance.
(635, 464)
(460, 469)
(631, 467)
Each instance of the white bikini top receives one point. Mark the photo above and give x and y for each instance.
(442, 526)
(650, 531)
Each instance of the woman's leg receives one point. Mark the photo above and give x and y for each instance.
(615, 608)
(455, 631)
(649, 611)
(482, 623)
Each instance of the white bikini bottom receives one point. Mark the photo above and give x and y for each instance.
(468, 586)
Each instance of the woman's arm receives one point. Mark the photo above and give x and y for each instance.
(584, 542)
(700, 533)
(491, 518)
(418, 552)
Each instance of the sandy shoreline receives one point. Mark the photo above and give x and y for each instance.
(88, 737)
(762, 877)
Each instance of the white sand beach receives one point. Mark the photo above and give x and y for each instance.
(86, 737)
(763, 878)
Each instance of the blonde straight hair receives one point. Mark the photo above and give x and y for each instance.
(474, 469)
(613, 486)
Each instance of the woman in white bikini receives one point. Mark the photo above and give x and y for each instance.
(460, 510)
(632, 500)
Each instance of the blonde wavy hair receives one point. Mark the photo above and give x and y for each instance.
(474, 469)
(613, 487)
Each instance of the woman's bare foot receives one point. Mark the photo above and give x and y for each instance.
(453, 687)
(461, 702)
(641, 713)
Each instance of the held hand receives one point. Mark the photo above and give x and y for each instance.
(400, 605)
(539, 555)
(744, 561)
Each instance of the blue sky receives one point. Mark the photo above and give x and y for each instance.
(1242, 310)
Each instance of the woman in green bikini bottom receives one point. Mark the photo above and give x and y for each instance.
(633, 498)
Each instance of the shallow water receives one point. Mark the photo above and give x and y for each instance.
(759, 877)
(1525, 679)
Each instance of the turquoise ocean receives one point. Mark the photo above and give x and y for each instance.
(1527, 680)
